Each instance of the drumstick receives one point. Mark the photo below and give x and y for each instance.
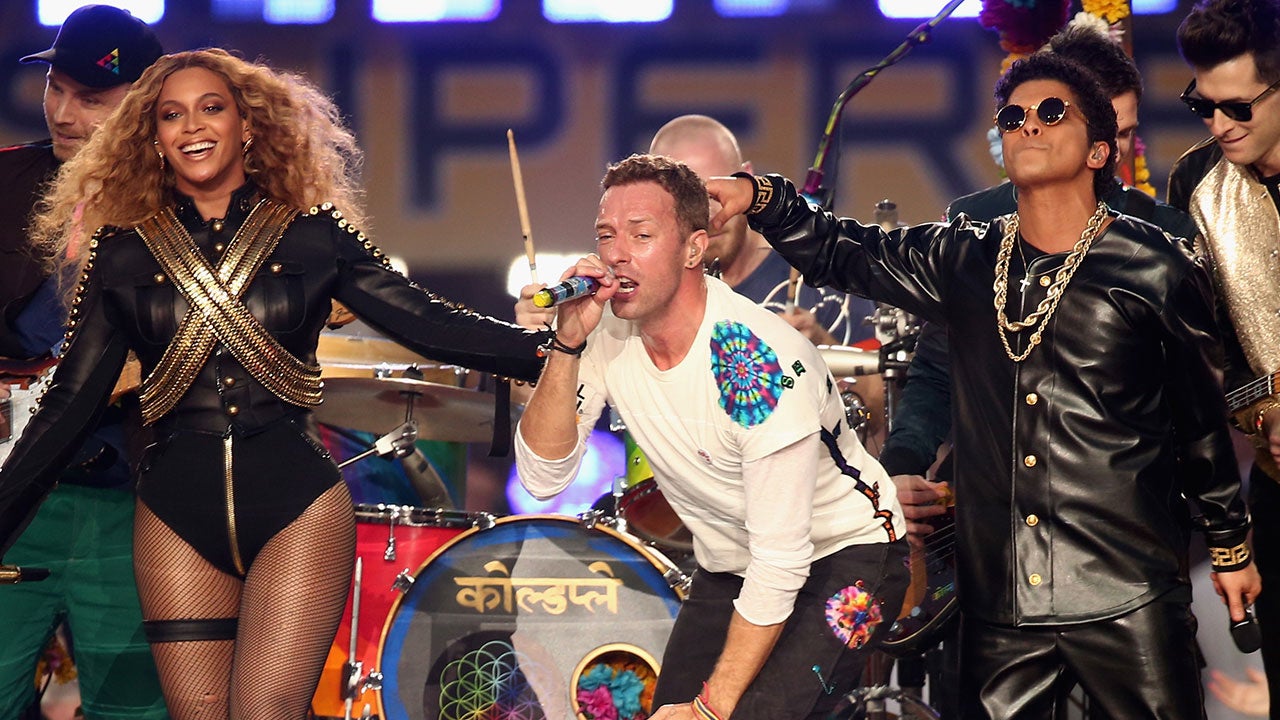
(793, 285)
(522, 205)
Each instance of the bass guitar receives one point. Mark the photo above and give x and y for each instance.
(1252, 391)
(930, 603)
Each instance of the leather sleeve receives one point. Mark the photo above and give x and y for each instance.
(903, 268)
(427, 323)
(1207, 467)
(77, 396)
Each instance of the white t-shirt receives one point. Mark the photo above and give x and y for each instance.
(748, 441)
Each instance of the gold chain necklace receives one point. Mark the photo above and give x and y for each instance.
(1044, 311)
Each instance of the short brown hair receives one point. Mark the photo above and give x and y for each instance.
(685, 187)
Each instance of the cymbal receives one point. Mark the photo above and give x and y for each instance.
(378, 405)
(347, 356)
(353, 350)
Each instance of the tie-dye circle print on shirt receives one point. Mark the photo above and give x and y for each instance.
(747, 371)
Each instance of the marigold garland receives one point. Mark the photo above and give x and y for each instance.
(1026, 25)
(1113, 11)
(1141, 173)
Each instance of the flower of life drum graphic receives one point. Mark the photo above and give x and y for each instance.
(500, 621)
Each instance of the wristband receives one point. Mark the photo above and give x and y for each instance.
(1229, 559)
(763, 192)
(701, 709)
(554, 343)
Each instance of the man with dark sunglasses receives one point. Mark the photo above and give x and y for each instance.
(1230, 184)
(1086, 408)
(922, 422)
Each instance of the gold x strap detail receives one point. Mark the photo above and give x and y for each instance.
(217, 313)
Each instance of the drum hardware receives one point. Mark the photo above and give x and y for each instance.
(403, 582)
(856, 411)
(416, 533)
(589, 518)
(398, 443)
(353, 668)
(898, 331)
(864, 702)
(679, 580)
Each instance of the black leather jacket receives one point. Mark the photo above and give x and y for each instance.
(1071, 466)
(129, 304)
(24, 169)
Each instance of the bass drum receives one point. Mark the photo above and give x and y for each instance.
(528, 619)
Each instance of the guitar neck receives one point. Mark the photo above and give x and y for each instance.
(1252, 391)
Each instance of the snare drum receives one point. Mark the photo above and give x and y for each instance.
(510, 622)
(390, 540)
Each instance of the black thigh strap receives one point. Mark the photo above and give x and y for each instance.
(162, 631)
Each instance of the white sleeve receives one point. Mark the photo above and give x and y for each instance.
(546, 477)
(779, 508)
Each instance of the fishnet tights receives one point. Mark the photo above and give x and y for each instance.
(289, 608)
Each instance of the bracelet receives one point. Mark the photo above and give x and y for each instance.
(554, 343)
(702, 709)
(1267, 406)
(1229, 559)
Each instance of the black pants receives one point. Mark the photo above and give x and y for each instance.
(810, 669)
(1264, 505)
(1140, 665)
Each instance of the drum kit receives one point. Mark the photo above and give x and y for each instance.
(457, 614)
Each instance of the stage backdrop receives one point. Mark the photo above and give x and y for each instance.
(431, 105)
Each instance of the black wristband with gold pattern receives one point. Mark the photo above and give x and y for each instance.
(763, 191)
(1223, 559)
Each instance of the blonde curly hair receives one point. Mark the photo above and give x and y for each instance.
(302, 154)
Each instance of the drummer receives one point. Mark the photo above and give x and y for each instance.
(796, 528)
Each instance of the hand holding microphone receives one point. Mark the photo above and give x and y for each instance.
(574, 287)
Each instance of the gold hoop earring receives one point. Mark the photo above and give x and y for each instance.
(156, 145)
(247, 144)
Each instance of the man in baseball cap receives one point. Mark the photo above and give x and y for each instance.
(99, 51)
(101, 46)
(82, 533)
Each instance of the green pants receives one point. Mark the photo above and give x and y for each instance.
(84, 536)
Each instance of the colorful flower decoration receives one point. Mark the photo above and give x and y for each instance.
(56, 661)
(1023, 25)
(617, 687)
(1141, 173)
(1113, 11)
(597, 704)
(747, 372)
(853, 615)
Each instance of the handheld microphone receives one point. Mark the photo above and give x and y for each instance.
(575, 287)
(1246, 633)
(13, 574)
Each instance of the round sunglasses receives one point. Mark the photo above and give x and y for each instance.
(1050, 110)
(1237, 110)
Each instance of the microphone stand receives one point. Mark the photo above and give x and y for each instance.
(813, 180)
